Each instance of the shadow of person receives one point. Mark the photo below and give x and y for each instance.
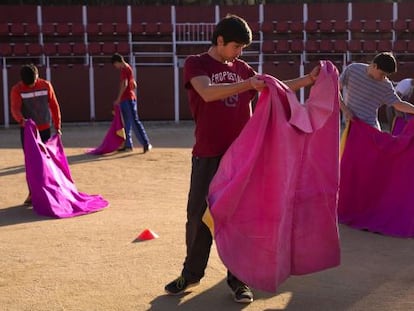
(218, 297)
(19, 214)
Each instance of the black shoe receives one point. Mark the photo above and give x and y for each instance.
(147, 148)
(179, 286)
(125, 149)
(242, 294)
(28, 201)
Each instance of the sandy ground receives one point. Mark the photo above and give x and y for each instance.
(92, 262)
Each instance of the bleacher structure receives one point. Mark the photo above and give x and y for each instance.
(287, 38)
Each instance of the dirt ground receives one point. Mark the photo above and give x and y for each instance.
(91, 263)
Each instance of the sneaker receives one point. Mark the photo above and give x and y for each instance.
(147, 148)
(28, 200)
(179, 286)
(242, 294)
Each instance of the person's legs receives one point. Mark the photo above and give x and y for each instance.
(138, 127)
(241, 292)
(44, 136)
(198, 236)
(127, 117)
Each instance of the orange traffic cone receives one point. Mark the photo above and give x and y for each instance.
(146, 235)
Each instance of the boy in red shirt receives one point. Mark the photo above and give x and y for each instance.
(34, 98)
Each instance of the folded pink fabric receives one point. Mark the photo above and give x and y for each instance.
(115, 136)
(273, 199)
(376, 192)
(53, 191)
(399, 124)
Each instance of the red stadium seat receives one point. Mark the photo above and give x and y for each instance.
(123, 48)
(268, 47)
(296, 46)
(282, 27)
(34, 49)
(19, 49)
(17, 29)
(268, 27)
(5, 49)
(151, 28)
(121, 28)
(107, 29)
(79, 48)
(49, 49)
(399, 46)
(355, 46)
(63, 29)
(370, 26)
(384, 45)
(108, 48)
(355, 25)
(32, 29)
(165, 28)
(340, 26)
(326, 46)
(410, 46)
(312, 46)
(4, 29)
(369, 46)
(77, 29)
(49, 29)
(340, 46)
(326, 25)
(311, 26)
(401, 25)
(282, 46)
(385, 26)
(94, 48)
(64, 49)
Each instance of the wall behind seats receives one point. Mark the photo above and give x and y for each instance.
(106, 79)
(155, 93)
(71, 84)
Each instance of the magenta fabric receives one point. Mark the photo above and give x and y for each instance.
(400, 123)
(273, 199)
(52, 188)
(115, 136)
(376, 192)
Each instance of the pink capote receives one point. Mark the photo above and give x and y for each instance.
(399, 124)
(53, 191)
(376, 192)
(273, 199)
(115, 136)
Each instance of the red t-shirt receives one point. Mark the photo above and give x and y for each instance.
(218, 123)
(127, 74)
(37, 102)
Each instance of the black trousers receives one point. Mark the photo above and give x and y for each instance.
(44, 135)
(198, 236)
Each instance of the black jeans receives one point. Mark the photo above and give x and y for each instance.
(44, 135)
(198, 236)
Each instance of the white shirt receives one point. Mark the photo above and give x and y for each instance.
(405, 88)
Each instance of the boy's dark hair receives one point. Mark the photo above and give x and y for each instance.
(28, 74)
(117, 58)
(233, 29)
(386, 62)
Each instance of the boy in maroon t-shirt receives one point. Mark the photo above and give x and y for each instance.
(128, 104)
(220, 89)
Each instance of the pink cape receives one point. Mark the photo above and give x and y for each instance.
(376, 192)
(399, 124)
(53, 191)
(273, 199)
(115, 136)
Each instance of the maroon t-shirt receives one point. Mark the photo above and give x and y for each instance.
(127, 74)
(218, 123)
